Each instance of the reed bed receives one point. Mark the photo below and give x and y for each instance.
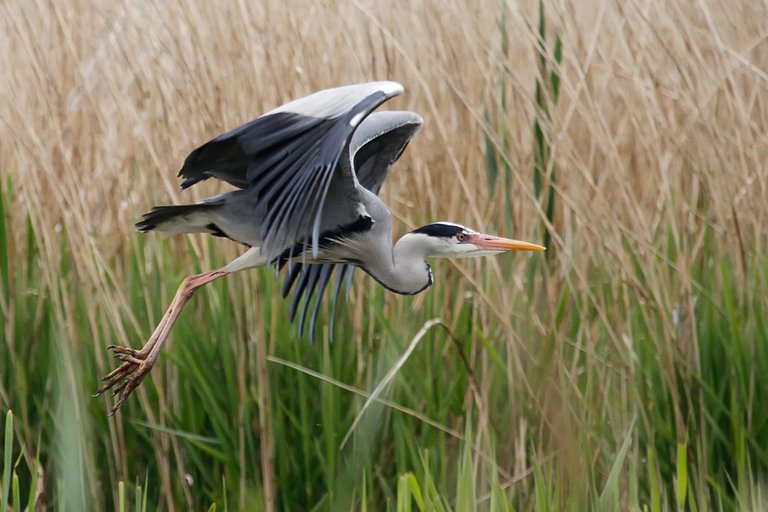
(623, 370)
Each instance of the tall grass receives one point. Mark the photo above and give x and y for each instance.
(627, 374)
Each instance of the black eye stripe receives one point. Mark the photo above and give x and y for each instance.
(440, 229)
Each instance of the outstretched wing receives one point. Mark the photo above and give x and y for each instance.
(287, 159)
(375, 146)
(378, 144)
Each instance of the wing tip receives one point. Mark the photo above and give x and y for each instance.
(390, 88)
(330, 103)
(398, 118)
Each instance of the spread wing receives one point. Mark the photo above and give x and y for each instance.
(376, 144)
(288, 158)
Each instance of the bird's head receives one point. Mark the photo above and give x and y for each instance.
(449, 240)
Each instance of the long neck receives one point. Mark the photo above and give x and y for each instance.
(406, 273)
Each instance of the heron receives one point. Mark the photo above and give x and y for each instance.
(307, 177)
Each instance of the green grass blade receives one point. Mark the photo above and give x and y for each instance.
(611, 490)
(137, 498)
(33, 491)
(554, 76)
(491, 160)
(681, 478)
(16, 493)
(653, 481)
(5, 271)
(499, 500)
(465, 485)
(7, 448)
(121, 496)
(146, 488)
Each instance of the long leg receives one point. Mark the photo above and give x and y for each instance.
(138, 363)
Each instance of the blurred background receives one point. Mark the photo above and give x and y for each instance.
(623, 369)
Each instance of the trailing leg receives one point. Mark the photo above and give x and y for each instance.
(124, 379)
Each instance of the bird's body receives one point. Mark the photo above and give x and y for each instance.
(308, 176)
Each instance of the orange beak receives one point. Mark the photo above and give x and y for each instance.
(495, 243)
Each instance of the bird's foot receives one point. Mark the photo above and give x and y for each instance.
(124, 379)
(128, 354)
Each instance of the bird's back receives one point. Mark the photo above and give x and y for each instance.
(309, 174)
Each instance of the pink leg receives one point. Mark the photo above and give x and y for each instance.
(138, 363)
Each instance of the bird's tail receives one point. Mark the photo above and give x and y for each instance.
(185, 218)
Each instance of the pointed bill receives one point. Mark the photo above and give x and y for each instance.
(496, 243)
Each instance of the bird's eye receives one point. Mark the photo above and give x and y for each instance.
(460, 237)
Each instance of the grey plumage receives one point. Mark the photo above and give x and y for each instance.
(376, 145)
(304, 171)
(287, 161)
(308, 175)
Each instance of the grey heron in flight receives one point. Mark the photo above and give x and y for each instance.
(308, 175)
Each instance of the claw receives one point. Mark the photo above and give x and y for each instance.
(127, 386)
(126, 350)
(114, 373)
(124, 379)
(119, 388)
(110, 383)
(127, 358)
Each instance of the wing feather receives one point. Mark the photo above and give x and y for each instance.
(376, 145)
(287, 159)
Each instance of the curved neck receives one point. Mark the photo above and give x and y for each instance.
(406, 273)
